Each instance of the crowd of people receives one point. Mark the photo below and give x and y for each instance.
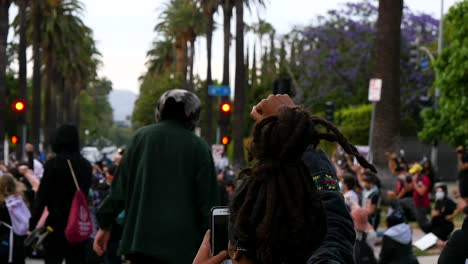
(293, 204)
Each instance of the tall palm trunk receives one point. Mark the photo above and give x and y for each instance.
(22, 67)
(227, 15)
(50, 104)
(4, 25)
(181, 57)
(239, 97)
(36, 104)
(387, 54)
(208, 126)
(191, 59)
(76, 110)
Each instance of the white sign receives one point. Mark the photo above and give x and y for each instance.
(426, 242)
(375, 90)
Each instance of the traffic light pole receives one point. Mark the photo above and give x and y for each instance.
(218, 128)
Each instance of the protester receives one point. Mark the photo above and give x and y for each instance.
(166, 184)
(275, 184)
(455, 251)
(396, 243)
(11, 197)
(421, 185)
(371, 198)
(349, 184)
(56, 192)
(441, 223)
(366, 237)
(34, 164)
(463, 177)
(429, 171)
(403, 193)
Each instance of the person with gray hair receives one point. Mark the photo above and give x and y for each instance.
(166, 184)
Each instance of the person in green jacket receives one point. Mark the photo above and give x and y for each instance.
(166, 184)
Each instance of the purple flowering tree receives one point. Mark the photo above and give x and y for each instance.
(337, 57)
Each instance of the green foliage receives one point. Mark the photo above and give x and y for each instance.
(354, 123)
(150, 90)
(448, 122)
(119, 135)
(96, 114)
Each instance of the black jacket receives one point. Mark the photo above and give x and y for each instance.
(57, 189)
(456, 250)
(337, 247)
(396, 246)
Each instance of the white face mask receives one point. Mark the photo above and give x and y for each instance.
(439, 195)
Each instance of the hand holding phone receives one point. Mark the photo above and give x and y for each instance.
(219, 229)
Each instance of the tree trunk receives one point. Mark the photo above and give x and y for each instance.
(227, 15)
(22, 50)
(208, 126)
(36, 104)
(77, 114)
(22, 69)
(50, 111)
(387, 54)
(4, 25)
(191, 86)
(181, 54)
(239, 97)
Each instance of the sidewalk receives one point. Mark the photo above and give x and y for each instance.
(428, 260)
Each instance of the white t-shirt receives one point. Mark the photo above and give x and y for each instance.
(38, 169)
(351, 196)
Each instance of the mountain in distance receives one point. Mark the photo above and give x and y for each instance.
(122, 102)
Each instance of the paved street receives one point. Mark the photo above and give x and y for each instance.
(422, 260)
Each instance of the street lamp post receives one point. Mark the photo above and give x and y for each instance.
(434, 150)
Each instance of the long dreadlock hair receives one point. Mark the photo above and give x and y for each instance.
(276, 214)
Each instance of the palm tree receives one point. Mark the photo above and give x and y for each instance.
(227, 6)
(239, 93)
(183, 21)
(4, 27)
(263, 28)
(209, 8)
(160, 57)
(22, 5)
(387, 111)
(239, 96)
(37, 8)
(69, 65)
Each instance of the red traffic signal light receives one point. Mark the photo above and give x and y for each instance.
(19, 106)
(14, 140)
(226, 107)
(225, 140)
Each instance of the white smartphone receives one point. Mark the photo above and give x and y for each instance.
(219, 229)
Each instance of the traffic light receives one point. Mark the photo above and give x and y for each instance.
(19, 108)
(225, 114)
(14, 140)
(282, 86)
(224, 122)
(225, 140)
(330, 111)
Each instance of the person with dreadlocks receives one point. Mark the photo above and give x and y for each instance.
(287, 208)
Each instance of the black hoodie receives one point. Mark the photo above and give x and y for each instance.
(456, 250)
(57, 187)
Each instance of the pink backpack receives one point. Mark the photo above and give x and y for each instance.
(79, 226)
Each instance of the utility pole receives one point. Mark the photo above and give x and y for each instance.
(434, 150)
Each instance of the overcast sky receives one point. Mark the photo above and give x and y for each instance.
(124, 31)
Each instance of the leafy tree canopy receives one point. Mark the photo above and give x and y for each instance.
(448, 122)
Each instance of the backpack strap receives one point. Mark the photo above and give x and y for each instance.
(73, 175)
